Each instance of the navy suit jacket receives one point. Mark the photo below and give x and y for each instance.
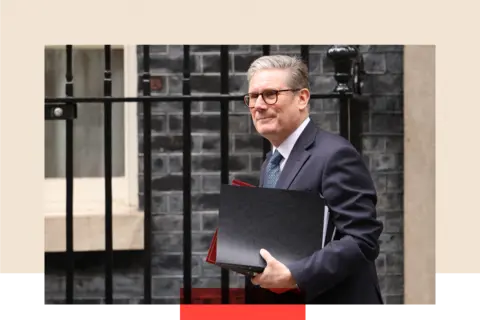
(344, 271)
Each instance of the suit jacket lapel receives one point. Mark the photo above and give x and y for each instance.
(298, 156)
(262, 170)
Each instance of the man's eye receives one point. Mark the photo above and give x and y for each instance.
(269, 93)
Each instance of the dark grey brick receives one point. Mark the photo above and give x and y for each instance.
(238, 84)
(388, 84)
(159, 202)
(257, 48)
(174, 222)
(175, 164)
(209, 163)
(394, 182)
(386, 161)
(170, 64)
(315, 63)
(394, 263)
(173, 242)
(172, 265)
(215, 107)
(322, 84)
(390, 242)
(394, 284)
(173, 182)
(242, 62)
(319, 48)
(153, 50)
(159, 164)
(394, 144)
(381, 48)
(380, 263)
(386, 123)
(94, 286)
(207, 123)
(211, 142)
(327, 121)
(392, 201)
(387, 104)
(205, 201)
(166, 287)
(248, 143)
(243, 48)
(329, 105)
(239, 107)
(167, 242)
(373, 143)
(394, 223)
(173, 107)
(380, 182)
(205, 48)
(211, 182)
(327, 65)
(201, 241)
(256, 161)
(212, 63)
(209, 221)
(175, 202)
(287, 48)
(205, 84)
(170, 143)
(158, 123)
(375, 63)
(394, 62)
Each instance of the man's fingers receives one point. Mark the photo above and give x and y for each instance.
(255, 279)
(266, 255)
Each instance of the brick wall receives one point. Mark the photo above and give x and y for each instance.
(382, 148)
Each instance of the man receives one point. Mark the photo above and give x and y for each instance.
(305, 157)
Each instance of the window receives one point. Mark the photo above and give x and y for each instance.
(88, 148)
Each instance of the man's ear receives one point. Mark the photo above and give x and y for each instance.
(304, 98)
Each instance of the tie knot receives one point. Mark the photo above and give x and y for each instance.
(276, 158)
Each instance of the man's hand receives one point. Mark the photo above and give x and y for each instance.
(276, 275)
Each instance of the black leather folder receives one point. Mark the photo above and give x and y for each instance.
(287, 223)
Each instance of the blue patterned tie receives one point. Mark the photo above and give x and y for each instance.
(273, 170)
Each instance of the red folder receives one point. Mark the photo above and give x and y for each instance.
(212, 251)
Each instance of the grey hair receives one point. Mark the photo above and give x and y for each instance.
(298, 69)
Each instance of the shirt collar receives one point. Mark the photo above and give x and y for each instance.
(285, 148)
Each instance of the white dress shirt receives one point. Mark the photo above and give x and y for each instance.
(286, 147)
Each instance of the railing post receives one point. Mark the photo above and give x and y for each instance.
(108, 178)
(147, 177)
(187, 181)
(348, 74)
(224, 149)
(69, 180)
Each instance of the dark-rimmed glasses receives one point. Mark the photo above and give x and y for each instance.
(270, 96)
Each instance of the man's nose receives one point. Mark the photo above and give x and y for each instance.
(260, 103)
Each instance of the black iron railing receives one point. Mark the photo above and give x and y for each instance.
(348, 74)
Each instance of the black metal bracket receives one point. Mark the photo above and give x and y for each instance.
(60, 111)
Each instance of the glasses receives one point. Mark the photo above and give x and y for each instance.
(269, 96)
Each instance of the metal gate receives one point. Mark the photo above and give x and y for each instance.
(348, 74)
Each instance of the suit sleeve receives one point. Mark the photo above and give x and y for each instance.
(351, 197)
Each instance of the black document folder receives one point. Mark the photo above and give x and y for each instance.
(287, 223)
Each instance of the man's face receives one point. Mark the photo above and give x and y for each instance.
(276, 121)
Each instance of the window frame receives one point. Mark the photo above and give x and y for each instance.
(89, 193)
